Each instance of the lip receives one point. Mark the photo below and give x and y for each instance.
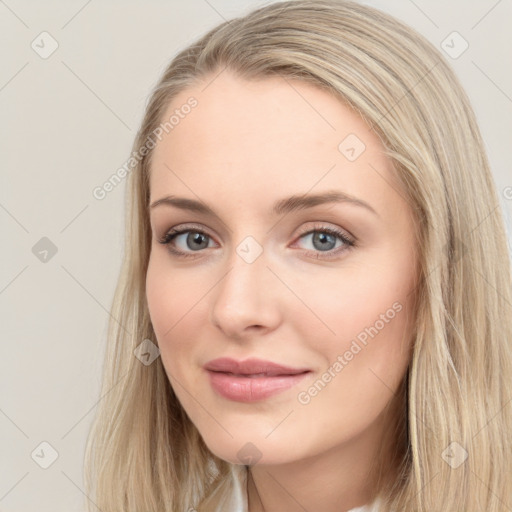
(253, 379)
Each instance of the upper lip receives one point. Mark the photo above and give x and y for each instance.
(251, 366)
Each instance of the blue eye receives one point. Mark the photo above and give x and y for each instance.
(324, 240)
(195, 241)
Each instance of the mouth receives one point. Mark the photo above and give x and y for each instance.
(252, 366)
(244, 385)
(257, 375)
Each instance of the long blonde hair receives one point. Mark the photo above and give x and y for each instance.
(144, 454)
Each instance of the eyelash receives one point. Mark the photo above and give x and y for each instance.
(348, 242)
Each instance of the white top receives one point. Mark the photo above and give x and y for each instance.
(239, 501)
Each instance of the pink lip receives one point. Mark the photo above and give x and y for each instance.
(251, 380)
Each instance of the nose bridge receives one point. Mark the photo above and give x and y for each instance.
(247, 269)
(244, 296)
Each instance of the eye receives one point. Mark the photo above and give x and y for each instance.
(193, 240)
(324, 240)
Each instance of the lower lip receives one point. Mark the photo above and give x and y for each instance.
(251, 389)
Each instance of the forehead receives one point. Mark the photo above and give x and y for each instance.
(247, 138)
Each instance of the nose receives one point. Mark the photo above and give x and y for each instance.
(246, 299)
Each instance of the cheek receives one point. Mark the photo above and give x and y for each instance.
(364, 305)
(168, 302)
(372, 341)
(371, 317)
(364, 366)
(177, 302)
(171, 294)
(160, 297)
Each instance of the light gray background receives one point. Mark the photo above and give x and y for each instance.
(67, 124)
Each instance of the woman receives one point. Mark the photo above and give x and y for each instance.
(314, 311)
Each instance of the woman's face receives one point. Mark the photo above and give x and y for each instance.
(315, 285)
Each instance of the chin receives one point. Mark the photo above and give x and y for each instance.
(241, 450)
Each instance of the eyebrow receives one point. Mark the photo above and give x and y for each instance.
(283, 206)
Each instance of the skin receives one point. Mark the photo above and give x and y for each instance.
(246, 145)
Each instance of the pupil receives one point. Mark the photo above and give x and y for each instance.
(322, 238)
(196, 239)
